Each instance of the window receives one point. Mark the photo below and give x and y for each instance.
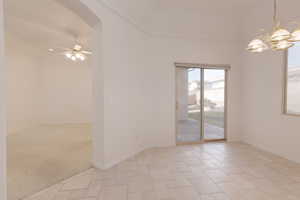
(292, 81)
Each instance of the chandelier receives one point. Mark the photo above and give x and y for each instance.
(279, 39)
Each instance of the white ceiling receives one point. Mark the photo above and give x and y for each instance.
(48, 24)
(185, 18)
(44, 23)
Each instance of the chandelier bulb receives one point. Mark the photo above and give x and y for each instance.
(295, 36)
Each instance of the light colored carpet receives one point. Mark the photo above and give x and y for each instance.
(45, 155)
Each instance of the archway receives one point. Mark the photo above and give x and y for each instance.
(93, 21)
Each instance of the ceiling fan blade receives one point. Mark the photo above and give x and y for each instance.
(87, 52)
(60, 49)
(60, 52)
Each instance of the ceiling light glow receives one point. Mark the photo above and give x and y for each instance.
(77, 53)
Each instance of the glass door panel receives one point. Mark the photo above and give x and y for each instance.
(188, 105)
(214, 104)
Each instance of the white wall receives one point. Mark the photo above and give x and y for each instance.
(263, 124)
(66, 90)
(2, 110)
(138, 85)
(44, 88)
(98, 94)
(141, 68)
(169, 51)
(137, 79)
(127, 90)
(23, 93)
(137, 74)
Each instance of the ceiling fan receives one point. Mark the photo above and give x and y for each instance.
(76, 53)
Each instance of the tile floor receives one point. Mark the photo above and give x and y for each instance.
(189, 131)
(212, 171)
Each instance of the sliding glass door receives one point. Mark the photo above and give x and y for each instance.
(214, 104)
(188, 105)
(200, 104)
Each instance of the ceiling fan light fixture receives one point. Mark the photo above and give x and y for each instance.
(82, 58)
(79, 55)
(68, 54)
(77, 47)
(76, 53)
(73, 58)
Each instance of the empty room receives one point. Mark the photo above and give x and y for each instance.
(149, 100)
(49, 96)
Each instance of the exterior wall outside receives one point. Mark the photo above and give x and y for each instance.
(214, 92)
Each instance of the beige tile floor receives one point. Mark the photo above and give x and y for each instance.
(213, 171)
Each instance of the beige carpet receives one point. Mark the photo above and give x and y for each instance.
(45, 155)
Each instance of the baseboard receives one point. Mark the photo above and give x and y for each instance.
(115, 162)
(260, 147)
(111, 164)
(98, 165)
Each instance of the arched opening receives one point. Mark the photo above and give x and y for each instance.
(50, 99)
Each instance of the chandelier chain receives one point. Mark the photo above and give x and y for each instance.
(275, 13)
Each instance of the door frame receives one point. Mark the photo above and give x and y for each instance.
(226, 68)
